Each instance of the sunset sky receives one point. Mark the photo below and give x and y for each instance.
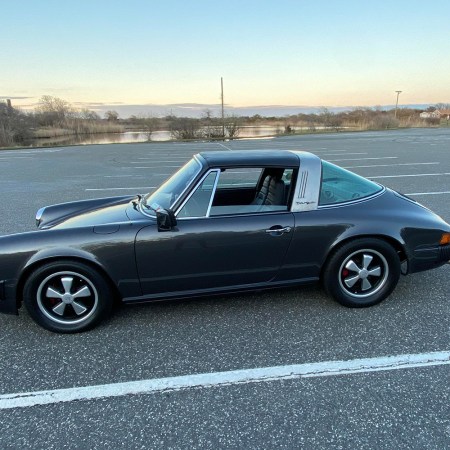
(334, 53)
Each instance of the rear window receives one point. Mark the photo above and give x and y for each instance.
(339, 185)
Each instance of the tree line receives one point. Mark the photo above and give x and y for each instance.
(56, 117)
(51, 117)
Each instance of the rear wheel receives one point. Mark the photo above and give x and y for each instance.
(67, 297)
(362, 272)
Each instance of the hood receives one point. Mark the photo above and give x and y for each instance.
(84, 213)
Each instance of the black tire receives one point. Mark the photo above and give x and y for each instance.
(67, 296)
(362, 272)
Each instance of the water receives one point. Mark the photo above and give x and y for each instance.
(138, 136)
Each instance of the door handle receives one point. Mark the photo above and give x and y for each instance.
(278, 230)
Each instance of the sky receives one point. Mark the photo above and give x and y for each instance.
(108, 53)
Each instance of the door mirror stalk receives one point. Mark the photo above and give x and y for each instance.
(165, 219)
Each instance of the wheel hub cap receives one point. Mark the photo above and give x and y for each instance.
(67, 297)
(363, 273)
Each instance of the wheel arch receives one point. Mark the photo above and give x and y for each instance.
(398, 246)
(39, 262)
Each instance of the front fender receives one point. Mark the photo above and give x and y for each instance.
(59, 253)
(113, 254)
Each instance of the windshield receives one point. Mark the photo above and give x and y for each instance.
(168, 193)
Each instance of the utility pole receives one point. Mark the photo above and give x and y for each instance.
(223, 117)
(396, 103)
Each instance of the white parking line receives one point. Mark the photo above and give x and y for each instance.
(153, 167)
(362, 159)
(143, 160)
(229, 378)
(342, 154)
(131, 175)
(157, 162)
(121, 188)
(9, 158)
(391, 165)
(429, 193)
(35, 151)
(411, 175)
(224, 146)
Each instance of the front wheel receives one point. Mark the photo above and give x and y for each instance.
(362, 272)
(67, 297)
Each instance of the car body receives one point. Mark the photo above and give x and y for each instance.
(225, 222)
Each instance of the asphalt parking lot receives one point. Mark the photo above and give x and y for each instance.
(391, 409)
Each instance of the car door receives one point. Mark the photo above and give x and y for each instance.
(209, 250)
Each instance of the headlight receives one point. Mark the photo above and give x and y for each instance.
(39, 216)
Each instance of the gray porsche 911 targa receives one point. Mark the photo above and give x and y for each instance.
(225, 222)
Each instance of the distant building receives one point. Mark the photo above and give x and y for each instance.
(437, 114)
(430, 115)
(445, 114)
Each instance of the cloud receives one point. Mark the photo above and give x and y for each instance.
(95, 104)
(13, 97)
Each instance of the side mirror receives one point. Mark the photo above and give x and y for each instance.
(165, 219)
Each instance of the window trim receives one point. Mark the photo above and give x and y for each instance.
(197, 185)
(213, 193)
(218, 170)
(356, 200)
(148, 213)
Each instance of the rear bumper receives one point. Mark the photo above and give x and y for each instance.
(429, 258)
(445, 253)
(8, 303)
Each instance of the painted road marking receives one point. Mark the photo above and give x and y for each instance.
(429, 193)
(391, 165)
(121, 188)
(343, 153)
(224, 146)
(152, 167)
(228, 378)
(411, 175)
(8, 158)
(131, 175)
(156, 160)
(362, 159)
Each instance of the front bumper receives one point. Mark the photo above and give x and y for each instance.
(8, 303)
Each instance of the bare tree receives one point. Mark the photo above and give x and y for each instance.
(87, 114)
(53, 111)
(185, 128)
(442, 105)
(111, 116)
(211, 126)
(15, 126)
(330, 119)
(149, 125)
(233, 125)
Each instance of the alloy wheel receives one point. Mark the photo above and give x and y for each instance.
(67, 297)
(363, 273)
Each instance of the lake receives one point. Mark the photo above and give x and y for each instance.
(138, 136)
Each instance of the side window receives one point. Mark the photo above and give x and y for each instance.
(198, 203)
(339, 185)
(287, 176)
(239, 178)
(252, 190)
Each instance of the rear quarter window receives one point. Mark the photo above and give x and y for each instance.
(339, 186)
